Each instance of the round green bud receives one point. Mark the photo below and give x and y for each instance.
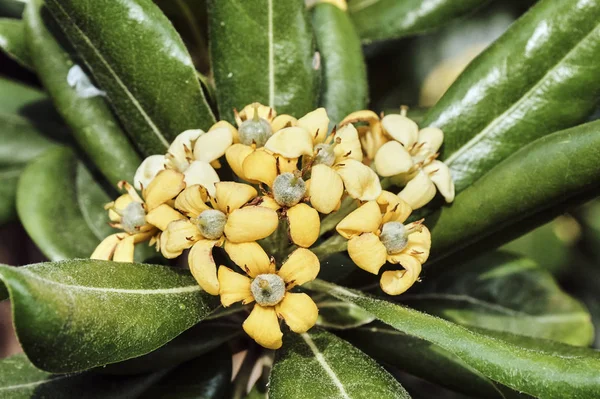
(288, 189)
(211, 224)
(394, 237)
(133, 217)
(268, 289)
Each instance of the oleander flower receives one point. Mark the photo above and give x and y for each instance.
(129, 213)
(270, 289)
(225, 220)
(376, 234)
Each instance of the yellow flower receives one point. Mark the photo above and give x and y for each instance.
(377, 234)
(129, 212)
(269, 288)
(369, 130)
(227, 220)
(194, 153)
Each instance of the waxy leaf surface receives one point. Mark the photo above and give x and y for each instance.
(12, 41)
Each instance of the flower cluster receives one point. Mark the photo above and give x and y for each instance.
(289, 176)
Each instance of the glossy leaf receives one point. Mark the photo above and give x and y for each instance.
(262, 50)
(527, 189)
(515, 92)
(533, 366)
(78, 314)
(340, 315)
(320, 365)
(387, 19)
(137, 57)
(505, 292)
(12, 41)
(344, 87)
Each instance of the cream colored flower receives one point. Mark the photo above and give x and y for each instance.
(369, 130)
(270, 289)
(225, 220)
(377, 234)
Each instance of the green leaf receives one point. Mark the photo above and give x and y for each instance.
(515, 92)
(8, 191)
(262, 50)
(12, 41)
(78, 314)
(505, 292)
(137, 57)
(340, 315)
(12, 8)
(533, 366)
(387, 19)
(320, 365)
(527, 189)
(344, 88)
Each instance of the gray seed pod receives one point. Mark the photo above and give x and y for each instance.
(394, 237)
(268, 289)
(288, 189)
(211, 224)
(257, 130)
(325, 154)
(133, 217)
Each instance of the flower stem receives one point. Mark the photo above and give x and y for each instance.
(332, 245)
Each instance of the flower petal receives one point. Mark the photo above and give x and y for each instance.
(291, 142)
(165, 186)
(106, 248)
(251, 223)
(162, 215)
(360, 116)
(396, 282)
(401, 129)
(213, 144)
(365, 219)
(439, 174)
(124, 250)
(360, 181)
(393, 208)
(233, 287)
(260, 166)
(231, 195)
(283, 121)
(326, 188)
(349, 146)
(304, 225)
(419, 191)
(286, 164)
(250, 257)
(263, 326)
(147, 170)
(300, 267)
(203, 267)
(299, 312)
(192, 201)
(180, 154)
(264, 112)
(392, 159)
(268, 202)
(316, 123)
(432, 137)
(419, 244)
(235, 155)
(368, 252)
(229, 126)
(179, 235)
(200, 172)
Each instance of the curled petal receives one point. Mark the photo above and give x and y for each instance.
(260, 166)
(235, 155)
(299, 312)
(264, 112)
(165, 186)
(192, 201)
(300, 267)
(251, 223)
(179, 235)
(263, 326)
(360, 181)
(268, 202)
(162, 215)
(368, 252)
(366, 219)
(106, 249)
(316, 123)
(392, 159)
(147, 170)
(432, 137)
(360, 116)
(419, 244)
(393, 208)
(213, 144)
(326, 188)
(439, 174)
(282, 121)
(180, 153)
(304, 225)
(250, 257)
(124, 250)
(291, 142)
(233, 287)
(401, 129)
(203, 267)
(286, 164)
(231, 195)
(419, 191)
(229, 126)
(202, 173)
(349, 145)
(396, 282)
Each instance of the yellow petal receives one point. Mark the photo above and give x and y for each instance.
(270, 203)
(401, 129)
(124, 250)
(260, 166)
(368, 252)
(233, 287)
(263, 326)
(120, 204)
(202, 173)
(326, 188)
(365, 219)
(213, 144)
(264, 112)
(165, 186)
(304, 225)
(235, 155)
(419, 191)
(250, 256)
(203, 267)
(392, 159)
(147, 170)
(393, 208)
(251, 223)
(396, 282)
(106, 249)
(432, 137)
(192, 201)
(360, 181)
(349, 145)
(286, 164)
(300, 267)
(360, 116)
(179, 235)
(283, 121)
(419, 244)
(291, 142)
(439, 174)
(299, 312)
(231, 195)
(180, 151)
(229, 126)
(162, 215)
(316, 123)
